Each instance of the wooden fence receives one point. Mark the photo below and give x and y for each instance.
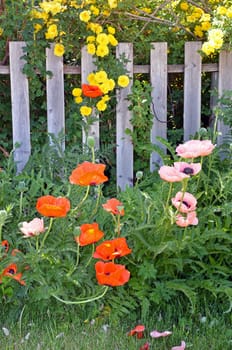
(158, 70)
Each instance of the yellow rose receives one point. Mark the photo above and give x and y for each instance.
(78, 99)
(94, 10)
(101, 76)
(221, 10)
(85, 16)
(111, 30)
(76, 92)
(59, 50)
(102, 50)
(102, 39)
(91, 79)
(52, 32)
(123, 81)
(85, 111)
(91, 49)
(184, 6)
(101, 106)
(112, 4)
(112, 40)
(208, 48)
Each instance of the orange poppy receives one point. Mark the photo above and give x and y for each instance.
(88, 174)
(109, 250)
(53, 207)
(91, 91)
(138, 331)
(11, 271)
(90, 233)
(111, 274)
(6, 245)
(114, 206)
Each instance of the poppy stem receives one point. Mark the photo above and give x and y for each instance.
(88, 262)
(77, 261)
(98, 199)
(47, 233)
(83, 301)
(198, 179)
(83, 199)
(169, 195)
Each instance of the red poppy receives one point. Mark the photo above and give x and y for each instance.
(90, 233)
(11, 271)
(145, 346)
(138, 331)
(109, 250)
(6, 245)
(53, 207)
(111, 274)
(91, 91)
(114, 206)
(88, 174)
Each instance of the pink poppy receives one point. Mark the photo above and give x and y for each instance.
(181, 347)
(157, 334)
(171, 174)
(195, 148)
(188, 168)
(32, 228)
(184, 202)
(189, 219)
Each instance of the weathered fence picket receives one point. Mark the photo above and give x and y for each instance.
(158, 71)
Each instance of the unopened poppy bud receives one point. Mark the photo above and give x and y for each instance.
(139, 175)
(90, 141)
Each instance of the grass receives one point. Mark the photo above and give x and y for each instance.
(64, 330)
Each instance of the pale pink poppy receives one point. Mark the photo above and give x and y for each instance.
(184, 202)
(157, 334)
(32, 228)
(188, 168)
(189, 219)
(195, 148)
(171, 174)
(181, 347)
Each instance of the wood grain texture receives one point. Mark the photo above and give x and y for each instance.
(192, 89)
(20, 106)
(158, 78)
(124, 151)
(55, 94)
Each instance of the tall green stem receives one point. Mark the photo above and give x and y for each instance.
(83, 301)
(47, 233)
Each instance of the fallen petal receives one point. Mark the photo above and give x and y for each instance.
(157, 334)
(6, 331)
(181, 347)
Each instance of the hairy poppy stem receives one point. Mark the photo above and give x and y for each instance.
(77, 261)
(83, 301)
(47, 233)
(88, 262)
(169, 195)
(83, 199)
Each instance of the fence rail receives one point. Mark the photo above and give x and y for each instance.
(158, 69)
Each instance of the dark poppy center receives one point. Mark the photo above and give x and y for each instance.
(11, 271)
(186, 204)
(188, 171)
(107, 273)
